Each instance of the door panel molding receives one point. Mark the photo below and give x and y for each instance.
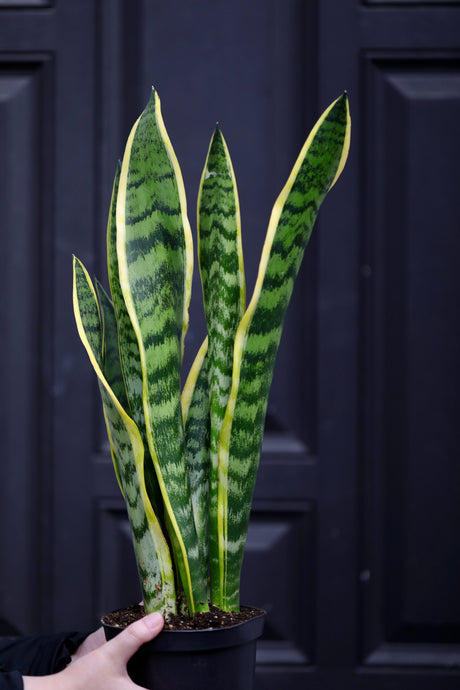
(25, 83)
(410, 294)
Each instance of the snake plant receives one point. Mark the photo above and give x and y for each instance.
(186, 460)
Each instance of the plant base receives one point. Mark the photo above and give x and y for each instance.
(221, 659)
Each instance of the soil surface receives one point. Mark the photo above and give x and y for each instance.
(214, 618)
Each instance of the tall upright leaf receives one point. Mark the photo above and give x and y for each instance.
(317, 168)
(154, 250)
(129, 352)
(222, 276)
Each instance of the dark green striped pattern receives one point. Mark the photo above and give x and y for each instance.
(304, 196)
(128, 347)
(152, 553)
(111, 366)
(197, 443)
(222, 277)
(152, 267)
(129, 353)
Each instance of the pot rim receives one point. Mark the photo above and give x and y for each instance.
(207, 638)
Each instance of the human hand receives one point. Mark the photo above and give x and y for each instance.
(104, 668)
(92, 642)
(89, 644)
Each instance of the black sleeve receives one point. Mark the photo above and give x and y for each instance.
(37, 656)
(11, 680)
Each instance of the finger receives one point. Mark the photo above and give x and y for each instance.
(124, 645)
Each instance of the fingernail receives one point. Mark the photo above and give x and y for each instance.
(153, 620)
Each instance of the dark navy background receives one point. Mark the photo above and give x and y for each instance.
(354, 542)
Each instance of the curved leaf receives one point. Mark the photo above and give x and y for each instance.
(320, 162)
(152, 552)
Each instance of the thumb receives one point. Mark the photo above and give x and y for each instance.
(124, 645)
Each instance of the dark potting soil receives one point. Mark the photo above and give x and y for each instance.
(214, 618)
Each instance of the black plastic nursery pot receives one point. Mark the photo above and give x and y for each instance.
(213, 658)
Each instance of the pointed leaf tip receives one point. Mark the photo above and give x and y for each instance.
(153, 98)
(344, 105)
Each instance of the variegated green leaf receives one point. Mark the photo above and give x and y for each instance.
(129, 352)
(110, 353)
(319, 164)
(152, 553)
(154, 262)
(222, 275)
(113, 452)
(128, 348)
(111, 366)
(195, 410)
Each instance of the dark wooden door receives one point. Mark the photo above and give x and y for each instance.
(354, 542)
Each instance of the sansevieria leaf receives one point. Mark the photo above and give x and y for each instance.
(128, 347)
(220, 257)
(152, 552)
(195, 410)
(129, 352)
(111, 366)
(317, 168)
(154, 251)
